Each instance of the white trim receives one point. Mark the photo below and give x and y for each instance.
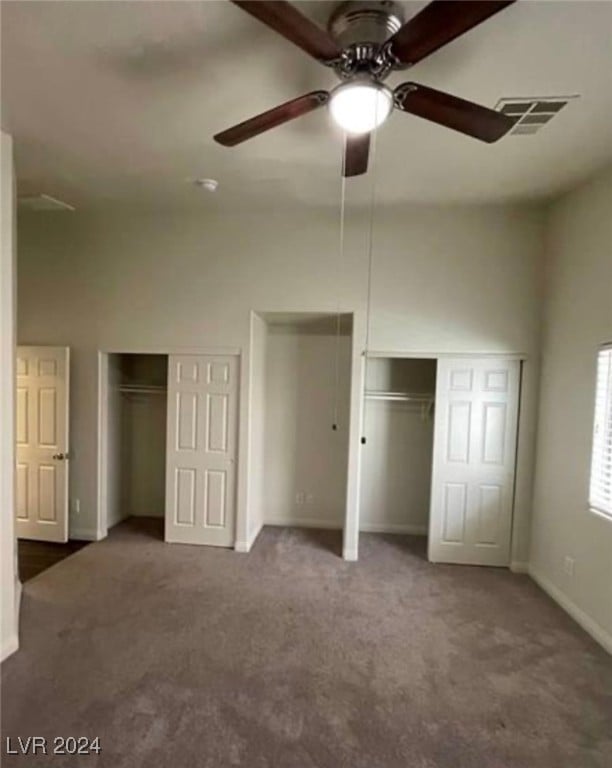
(399, 528)
(519, 566)
(304, 522)
(350, 528)
(597, 632)
(350, 555)
(85, 534)
(102, 479)
(245, 546)
(435, 355)
(599, 512)
(12, 643)
(176, 350)
(9, 646)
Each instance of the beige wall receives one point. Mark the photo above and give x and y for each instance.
(8, 565)
(578, 317)
(461, 279)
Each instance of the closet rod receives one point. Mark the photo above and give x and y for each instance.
(142, 389)
(403, 396)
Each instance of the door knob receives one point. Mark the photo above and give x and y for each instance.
(60, 456)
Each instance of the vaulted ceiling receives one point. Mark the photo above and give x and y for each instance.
(116, 103)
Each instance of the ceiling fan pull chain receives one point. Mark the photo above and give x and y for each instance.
(370, 269)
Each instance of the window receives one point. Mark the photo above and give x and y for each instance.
(600, 495)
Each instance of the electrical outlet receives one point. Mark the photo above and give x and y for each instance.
(76, 506)
(309, 498)
(299, 497)
(568, 565)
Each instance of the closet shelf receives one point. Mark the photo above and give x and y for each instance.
(142, 389)
(406, 397)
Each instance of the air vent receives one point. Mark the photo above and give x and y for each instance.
(43, 203)
(531, 114)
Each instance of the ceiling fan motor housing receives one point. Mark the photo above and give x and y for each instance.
(361, 27)
(369, 22)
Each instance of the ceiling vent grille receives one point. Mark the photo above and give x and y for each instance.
(531, 114)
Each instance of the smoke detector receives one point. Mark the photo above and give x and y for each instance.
(210, 185)
(43, 203)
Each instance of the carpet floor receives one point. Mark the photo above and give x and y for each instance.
(288, 657)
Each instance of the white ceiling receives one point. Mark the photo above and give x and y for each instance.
(116, 103)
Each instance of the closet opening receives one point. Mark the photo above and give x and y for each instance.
(398, 455)
(136, 442)
(300, 426)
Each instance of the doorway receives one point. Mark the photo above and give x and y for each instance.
(300, 405)
(136, 440)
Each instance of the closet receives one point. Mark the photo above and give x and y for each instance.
(399, 411)
(169, 444)
(440, 452)
(136, 436)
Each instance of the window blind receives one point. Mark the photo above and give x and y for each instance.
(600, 495)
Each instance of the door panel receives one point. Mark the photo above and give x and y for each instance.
(202, 423)
(474, 457)
(42, 438)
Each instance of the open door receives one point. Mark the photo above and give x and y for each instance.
(201, 449)
(473, 463)
(42, 443)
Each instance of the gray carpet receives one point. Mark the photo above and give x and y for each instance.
(288, 657)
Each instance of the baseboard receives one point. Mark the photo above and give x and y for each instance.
(18, 590)
(518, 566)
(84, 534)
(401, 528)
(9, 646)
(350, 555)
(245, 546)
(304, 522)
(597, 632)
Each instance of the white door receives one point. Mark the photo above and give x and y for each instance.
(472, 488)
(42, 443)
(201, 449)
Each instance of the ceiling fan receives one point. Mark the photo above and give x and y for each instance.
(363, 44)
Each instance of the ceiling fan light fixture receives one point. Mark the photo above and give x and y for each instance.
(360, 107)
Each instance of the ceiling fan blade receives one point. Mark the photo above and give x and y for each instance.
(460, 115)
(270, 119)
(283, 18)
(356, 153)
(437, 24)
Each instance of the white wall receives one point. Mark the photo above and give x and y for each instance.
(463, 279)
(8, 564)
(303, 455)
(578, 317)
(397, 459)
